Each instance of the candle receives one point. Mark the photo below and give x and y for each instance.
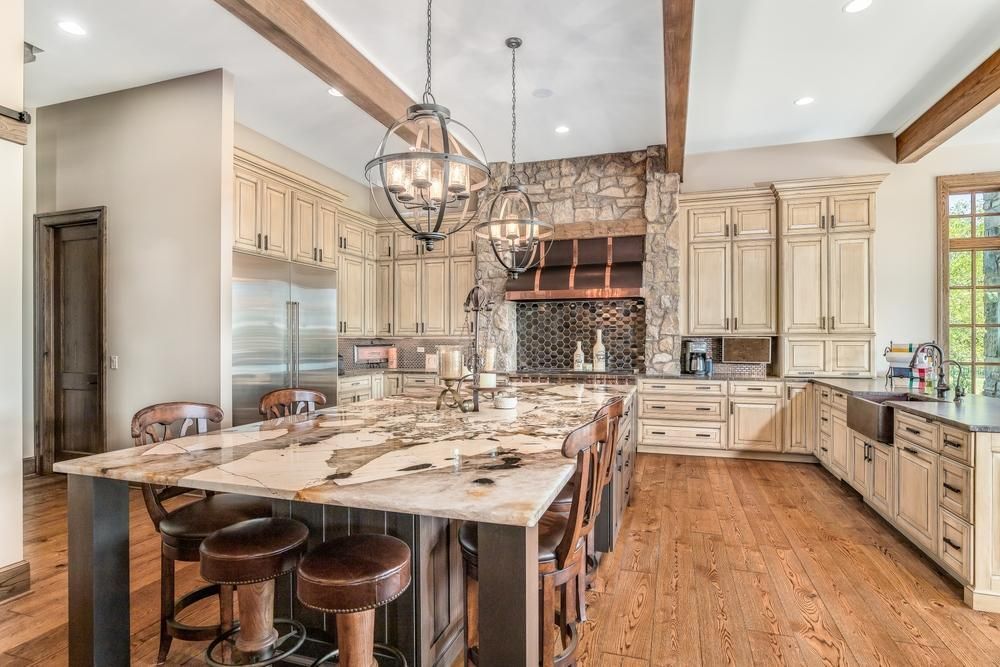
(487, 379)
(421, 174)
(397, 178)
(457, 177)
(450, 362)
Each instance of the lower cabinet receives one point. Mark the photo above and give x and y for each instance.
(881, 477)
(859, 464)
(825, 444)
(916, 493)
(378, 386)
(840, 444)
(956, 545)
(392, 384)
(440, 578)
(799, 418)
(755, 424)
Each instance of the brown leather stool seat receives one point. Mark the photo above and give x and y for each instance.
(352, 576)
(251, 555)
(186, 527)
(551, 529)
(564, 499)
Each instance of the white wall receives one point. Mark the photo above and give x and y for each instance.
(27, 309)
(905, 236)
(11, 156)
(160, 158)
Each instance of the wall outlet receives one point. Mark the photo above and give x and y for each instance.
(114, 362)
(420, 349)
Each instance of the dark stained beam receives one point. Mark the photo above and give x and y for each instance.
(971, 98)
(678, 16)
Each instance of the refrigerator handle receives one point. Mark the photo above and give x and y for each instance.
(295, 346)
(290, 354)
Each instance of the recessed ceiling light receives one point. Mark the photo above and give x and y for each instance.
(335, 92)
(803, 101)
(72, 28)
(855, 6)
(542, 93)
(562, 129)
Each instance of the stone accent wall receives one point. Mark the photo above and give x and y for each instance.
(602, 195)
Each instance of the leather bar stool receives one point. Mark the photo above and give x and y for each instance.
(290, 401)
(562, 540)
(183, 528)
(250, 555)
(351, 577)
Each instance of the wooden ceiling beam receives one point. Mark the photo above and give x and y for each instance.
(295, 28)
(678, 17)
(970, 99)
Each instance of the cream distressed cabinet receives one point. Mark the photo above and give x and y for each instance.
(731, 262)
(421, 292)
(358, 278)
(799, 418)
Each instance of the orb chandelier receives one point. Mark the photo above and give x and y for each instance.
(427, 167)
(511, 226)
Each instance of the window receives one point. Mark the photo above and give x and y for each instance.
(970, 319)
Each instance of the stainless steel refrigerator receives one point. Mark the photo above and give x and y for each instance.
(284, 331)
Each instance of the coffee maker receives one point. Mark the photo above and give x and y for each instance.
(695, 357)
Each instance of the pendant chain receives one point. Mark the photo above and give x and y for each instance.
(428, 95)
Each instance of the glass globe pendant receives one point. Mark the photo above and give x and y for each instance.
(426, 168)
(513, 230)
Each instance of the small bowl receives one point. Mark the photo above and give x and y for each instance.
(504, 402)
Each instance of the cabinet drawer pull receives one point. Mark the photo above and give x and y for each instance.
(952, 443)
(320, 254)
(703, 435)
(951, 544)
(915, 431)
(260, 242)
(824, 449)
(659, 386)
(265, 242)
(953, 489)
(911, 450)
(832, 325)
(824, 419)
(657, 407)
(703, 388)
(703, 409)
(755, 389)
(658, 432)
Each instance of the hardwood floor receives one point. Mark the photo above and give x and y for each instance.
(721, 562)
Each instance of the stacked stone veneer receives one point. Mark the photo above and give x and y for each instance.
(603, 195)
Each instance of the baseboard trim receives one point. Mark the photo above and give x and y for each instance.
(28, 466)
(728, 454)
(15, 580)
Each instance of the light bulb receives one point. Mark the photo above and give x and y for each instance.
(397, 177)
(457, 177)
(435, 190)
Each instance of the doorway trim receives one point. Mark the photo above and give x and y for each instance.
(46, 225)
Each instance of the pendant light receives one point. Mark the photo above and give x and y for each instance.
(427, 167)
(511, 226)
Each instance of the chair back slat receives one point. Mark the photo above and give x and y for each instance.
(582, 444)
(290, 401)
(162, 422)
(613, 411)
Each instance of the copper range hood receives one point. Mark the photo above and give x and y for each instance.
(600, 268)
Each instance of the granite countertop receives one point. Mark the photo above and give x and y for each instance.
(397, 454)
(721, 377)
(354, 372)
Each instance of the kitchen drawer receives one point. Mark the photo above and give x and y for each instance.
(917, 430)
(956, 544)
(682, 434)
(683, 407)
(955, 488)
(839, 401)
(825, 419)
(706, 387)
(354, 384)
(956, 444)
(763, 389)
(419, 381)
(825, 394)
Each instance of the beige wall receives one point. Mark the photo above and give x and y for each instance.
(905, 239)
(160, 158)
(11, 193)
(358, 195)
(27, 306)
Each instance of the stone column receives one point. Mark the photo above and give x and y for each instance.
(661, 269)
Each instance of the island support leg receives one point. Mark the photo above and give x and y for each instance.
(508, 595)
(98, 565)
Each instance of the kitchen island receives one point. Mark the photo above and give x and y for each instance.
(352, 468)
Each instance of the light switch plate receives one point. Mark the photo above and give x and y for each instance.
(114, 362)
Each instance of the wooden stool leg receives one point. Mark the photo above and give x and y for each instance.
(356, 639)
(471, 615)
(166, 606)
(226, 593)
(257, 633)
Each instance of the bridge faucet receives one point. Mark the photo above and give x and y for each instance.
(942, 386)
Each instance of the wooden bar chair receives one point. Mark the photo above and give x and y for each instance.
(290, 401)
(182, 529)
(562, 551)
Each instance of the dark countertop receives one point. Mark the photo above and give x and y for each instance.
(354, 372)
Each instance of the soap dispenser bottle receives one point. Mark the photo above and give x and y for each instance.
(600, 353)
(578, 357)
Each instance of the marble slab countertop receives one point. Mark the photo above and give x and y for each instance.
(397, 454)
(354, 372)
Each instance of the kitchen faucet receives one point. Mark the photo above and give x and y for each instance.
(942, 386)
(959, 388)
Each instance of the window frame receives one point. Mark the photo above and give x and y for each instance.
(947, 186)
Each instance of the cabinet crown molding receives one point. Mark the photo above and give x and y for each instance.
(814, 186)
(255, 162)
(727, 197)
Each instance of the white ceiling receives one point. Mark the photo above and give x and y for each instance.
(870, 73)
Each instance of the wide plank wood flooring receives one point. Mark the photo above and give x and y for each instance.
(720, 562)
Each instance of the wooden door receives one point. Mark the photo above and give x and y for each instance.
(849, 356)
(708, 224)
(277, 219)
(851, 261)
(463, 243)
(326, 233)
(352, 237)
(435, 296)
(370, 305)
(916, 493)
(754, 221)
(246, 211)
(351, 288)
(463, 279)
(305, 243)
(803, 215)
(881, 478)
(799, 418)
(755, 288)
(383, 299)
(855, 212)
(755, 424)
(840, 441)
(858, 464)
(406, 289)
(804, 356)
(803, 286)
(708, 288)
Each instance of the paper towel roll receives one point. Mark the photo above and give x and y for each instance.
(899, 357)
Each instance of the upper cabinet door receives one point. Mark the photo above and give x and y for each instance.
(246, 210)
(352, 238)
(851, 283)
(852, 213)
(708, 288)
(803, 293)
(462, 244)
(383, 298)
(435, 297)
(708, 224)
(371, 246)
(849, 356)
(384, 242)
(755, 309)
(756, 221)
(406, 246)
(370, 301)
(277, 219)
(351, 287)
(406, 291)
(326, 231)
(304, 214)
(806, 215)
(804, 356)
(463, 278)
